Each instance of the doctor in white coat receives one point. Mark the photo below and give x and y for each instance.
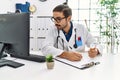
(66, 39)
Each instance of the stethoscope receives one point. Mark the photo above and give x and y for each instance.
(75, 45)
(60, 38)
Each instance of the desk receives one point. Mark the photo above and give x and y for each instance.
(108, 69)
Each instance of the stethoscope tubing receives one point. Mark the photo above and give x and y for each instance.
(75, 45)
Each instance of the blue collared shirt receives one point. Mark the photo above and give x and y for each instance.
(67, 36)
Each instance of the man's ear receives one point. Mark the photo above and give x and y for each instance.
(69, 18)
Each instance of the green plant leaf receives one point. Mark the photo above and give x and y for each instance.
(49, 58)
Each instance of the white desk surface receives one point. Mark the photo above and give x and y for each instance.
(108, 69)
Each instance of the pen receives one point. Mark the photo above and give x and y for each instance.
(89, 65)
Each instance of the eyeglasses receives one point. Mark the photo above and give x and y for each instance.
(58, 19)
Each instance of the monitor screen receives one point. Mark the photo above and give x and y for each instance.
(14, 36)
(14, 33)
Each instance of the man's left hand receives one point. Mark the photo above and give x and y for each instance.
(93, 52)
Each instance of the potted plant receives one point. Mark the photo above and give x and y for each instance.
(49, 61)
(108, 25)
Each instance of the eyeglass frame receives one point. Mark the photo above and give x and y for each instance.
(58, 20)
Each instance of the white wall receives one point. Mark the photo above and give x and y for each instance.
(43, 8)
(38, 21)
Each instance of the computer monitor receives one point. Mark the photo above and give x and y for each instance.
(14, 36)
(14, 33)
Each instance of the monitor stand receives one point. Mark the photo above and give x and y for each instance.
(10, 63)
(5, 62)
(1, 49)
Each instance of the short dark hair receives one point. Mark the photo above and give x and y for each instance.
(63, 8)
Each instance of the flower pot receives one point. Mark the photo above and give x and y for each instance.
(50, 65)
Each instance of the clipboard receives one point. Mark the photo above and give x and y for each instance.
(86, 62)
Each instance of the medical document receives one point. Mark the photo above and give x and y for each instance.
(79, 64)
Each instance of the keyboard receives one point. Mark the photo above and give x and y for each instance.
(31, 57)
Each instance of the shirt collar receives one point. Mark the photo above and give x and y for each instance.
(69, 33)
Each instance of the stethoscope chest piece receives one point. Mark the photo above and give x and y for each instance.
(75, 45)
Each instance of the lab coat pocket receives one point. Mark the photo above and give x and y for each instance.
(79, 42)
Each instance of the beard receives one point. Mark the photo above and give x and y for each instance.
(59, 27)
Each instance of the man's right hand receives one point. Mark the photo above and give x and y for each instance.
(72, 56)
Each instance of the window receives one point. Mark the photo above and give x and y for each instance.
(85, 12)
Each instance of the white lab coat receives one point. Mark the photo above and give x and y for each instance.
(49, 46)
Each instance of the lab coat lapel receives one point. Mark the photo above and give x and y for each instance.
(63, 36)
(72, 39)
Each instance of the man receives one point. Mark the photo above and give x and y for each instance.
(66, 39)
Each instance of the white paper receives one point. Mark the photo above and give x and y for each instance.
(85, 59)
